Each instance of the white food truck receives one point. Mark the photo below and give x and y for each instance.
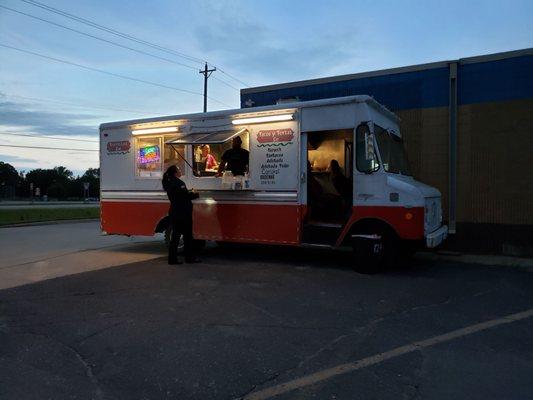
(329, 173)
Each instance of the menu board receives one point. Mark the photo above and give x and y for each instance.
(274, 156)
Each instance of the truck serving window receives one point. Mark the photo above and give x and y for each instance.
(207, 156)
(392, 152)
(174, 155)
(148, 160)
(208, 147)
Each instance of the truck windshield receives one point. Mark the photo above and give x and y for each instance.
(392, 152)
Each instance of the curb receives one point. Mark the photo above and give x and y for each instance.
(54, 222)
(482, 259)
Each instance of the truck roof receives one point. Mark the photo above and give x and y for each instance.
(253, 110)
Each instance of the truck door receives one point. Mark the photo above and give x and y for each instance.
(327, 166)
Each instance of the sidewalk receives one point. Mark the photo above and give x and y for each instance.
(482, 259)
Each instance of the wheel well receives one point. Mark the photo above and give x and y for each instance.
(368, 225)
(162, 225)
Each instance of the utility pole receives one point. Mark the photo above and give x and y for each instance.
(207, 73)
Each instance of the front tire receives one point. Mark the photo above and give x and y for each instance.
(373, 252)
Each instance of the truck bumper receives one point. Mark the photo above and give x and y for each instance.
(435, 238)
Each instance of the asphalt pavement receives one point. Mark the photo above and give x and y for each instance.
(260, 322)
(37, 252)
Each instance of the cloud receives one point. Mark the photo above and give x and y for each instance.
(232, 35)
(23, 116)
(16, 159)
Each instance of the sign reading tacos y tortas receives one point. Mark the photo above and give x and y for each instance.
(274, 156)
(120, 147)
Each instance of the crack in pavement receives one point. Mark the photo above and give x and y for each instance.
(88, 369)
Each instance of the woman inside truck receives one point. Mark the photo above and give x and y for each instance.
(208, 159)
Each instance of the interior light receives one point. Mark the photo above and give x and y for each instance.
(266, 118)
(149, 131)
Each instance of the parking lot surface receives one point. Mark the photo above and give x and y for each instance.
(249, 319)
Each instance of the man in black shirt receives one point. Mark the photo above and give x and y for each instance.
(235, 159)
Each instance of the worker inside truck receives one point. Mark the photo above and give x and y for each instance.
(329, 185)
(214, 157)
(235, 159)
(205, 163)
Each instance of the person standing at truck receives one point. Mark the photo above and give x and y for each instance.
(180, 214)
(235, 159)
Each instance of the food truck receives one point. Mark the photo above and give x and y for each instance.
(325, 173)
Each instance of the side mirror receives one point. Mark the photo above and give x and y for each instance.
(367, 160)
(369, 146)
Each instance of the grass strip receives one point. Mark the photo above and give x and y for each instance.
(25, 215)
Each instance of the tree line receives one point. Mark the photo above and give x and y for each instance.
(56, 183)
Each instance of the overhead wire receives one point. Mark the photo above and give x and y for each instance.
(128, 36)
(44, 148)
(111, 30)
(47, 137)
(112, 73)
(78, 105)
(98, 38)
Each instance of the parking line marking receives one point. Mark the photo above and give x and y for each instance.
(326, 374)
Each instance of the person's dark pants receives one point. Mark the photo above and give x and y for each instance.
(180, 227)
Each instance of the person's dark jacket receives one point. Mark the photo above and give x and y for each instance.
(180, 199)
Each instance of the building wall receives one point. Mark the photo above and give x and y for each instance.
(495, 161)
(494, 136)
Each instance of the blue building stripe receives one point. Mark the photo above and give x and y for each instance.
(500, 80)
(507, 79)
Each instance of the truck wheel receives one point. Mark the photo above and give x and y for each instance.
(373, 252)
(168, 233)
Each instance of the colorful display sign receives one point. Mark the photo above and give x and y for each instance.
(149, 154)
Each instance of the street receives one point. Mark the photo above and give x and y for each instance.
(253, 322)
(34, 253)
(21, 205)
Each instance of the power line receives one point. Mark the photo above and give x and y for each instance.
(112, 43)
(126, 36)
(110, 73)
(79, 105)
(234, 78)
(47, 137)
(225, 83)
(112, 31)
(99, 38)
(44, 148)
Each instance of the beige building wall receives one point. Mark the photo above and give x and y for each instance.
(425, 133)
(494, 158)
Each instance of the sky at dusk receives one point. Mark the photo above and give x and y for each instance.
(258, 43)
